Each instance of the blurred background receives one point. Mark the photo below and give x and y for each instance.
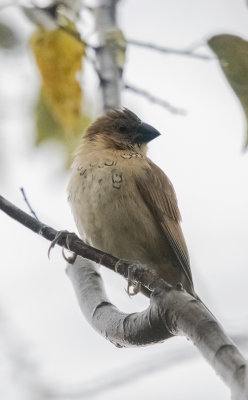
(47, 349)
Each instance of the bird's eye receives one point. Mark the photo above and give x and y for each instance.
(123, 128)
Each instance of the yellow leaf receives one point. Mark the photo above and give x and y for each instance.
(59, 58)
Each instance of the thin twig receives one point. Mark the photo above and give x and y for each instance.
(169, 50)
(156, 100)
(28, 204)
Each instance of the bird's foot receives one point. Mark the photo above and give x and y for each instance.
(59, 235)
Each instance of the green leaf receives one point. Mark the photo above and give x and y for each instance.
(232, 52)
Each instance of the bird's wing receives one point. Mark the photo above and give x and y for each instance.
(159, 195)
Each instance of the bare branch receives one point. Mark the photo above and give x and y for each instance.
(70, 241)
(155, 100)
(179, 312)
(105, 20)
(169, 50)
(171, 311)
(121, 329)
(147, 329)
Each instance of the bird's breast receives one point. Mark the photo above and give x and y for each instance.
(109, 212)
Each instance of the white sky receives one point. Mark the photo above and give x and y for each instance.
(201, 153)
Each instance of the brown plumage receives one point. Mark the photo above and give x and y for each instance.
(123, 203)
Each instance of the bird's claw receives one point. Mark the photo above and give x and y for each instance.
(58, 236)
(70, 259)
(136, 286)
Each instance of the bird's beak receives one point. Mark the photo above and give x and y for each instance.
(145, 133)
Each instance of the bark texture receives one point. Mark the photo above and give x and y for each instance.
(105, 21)
(171, 311)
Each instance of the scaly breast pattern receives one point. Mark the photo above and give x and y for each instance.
(110, 213)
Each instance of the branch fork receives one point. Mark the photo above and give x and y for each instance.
(171, 312)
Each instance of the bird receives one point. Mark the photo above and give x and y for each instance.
(123, 203)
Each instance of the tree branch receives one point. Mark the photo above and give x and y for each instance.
(70, 242)
(121, 329)
(171, 311)
(155, 100)
(151, 327)
(169, 50)
(178, 313)
(105, 20)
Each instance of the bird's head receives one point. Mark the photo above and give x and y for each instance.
(121, 129)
